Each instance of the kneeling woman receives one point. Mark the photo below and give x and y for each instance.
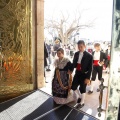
(62, 80)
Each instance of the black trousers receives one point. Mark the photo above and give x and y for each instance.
(108, 63)
(79, 80)
(97, 70)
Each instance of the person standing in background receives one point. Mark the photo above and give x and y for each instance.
(56, 46)
(45, 59)
(108, 57)
(48, 46)
(71, 50)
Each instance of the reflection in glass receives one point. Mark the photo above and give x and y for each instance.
(15, 48)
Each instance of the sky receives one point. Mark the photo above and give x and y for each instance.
(98, 10)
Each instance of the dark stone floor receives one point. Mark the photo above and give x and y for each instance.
(38, 105)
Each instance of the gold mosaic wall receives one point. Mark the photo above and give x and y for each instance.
(16, 76)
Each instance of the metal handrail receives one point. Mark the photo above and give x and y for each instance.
(101, 87)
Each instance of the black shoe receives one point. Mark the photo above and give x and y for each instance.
(79, 100)
(48, 70)
(79, 106)
(98, 90)
(90, 92)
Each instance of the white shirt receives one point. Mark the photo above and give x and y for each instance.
(108, 52)
(96, 55)
(80, 57)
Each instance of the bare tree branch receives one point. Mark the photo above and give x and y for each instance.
(65, 28)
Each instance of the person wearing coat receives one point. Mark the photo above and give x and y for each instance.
(45, 57)
(99, 59)
(82, 61)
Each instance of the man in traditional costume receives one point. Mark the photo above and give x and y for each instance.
(99, 59)
(83, 63)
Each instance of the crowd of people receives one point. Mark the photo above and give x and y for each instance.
(87, 60)
(70, 49)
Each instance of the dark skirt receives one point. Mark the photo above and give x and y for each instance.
(57, 90)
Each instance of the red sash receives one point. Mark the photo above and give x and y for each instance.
(95, 62)
(78, 67)
(108, 57)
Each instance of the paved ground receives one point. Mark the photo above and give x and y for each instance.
(38, 105)
(91, 101)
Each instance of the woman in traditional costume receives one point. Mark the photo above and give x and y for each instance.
(62, 81)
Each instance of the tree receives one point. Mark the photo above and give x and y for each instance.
(65, 27)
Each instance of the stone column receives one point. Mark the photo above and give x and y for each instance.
(114, 81)
(40, 43)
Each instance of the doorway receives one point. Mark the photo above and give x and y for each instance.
(93, 15)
